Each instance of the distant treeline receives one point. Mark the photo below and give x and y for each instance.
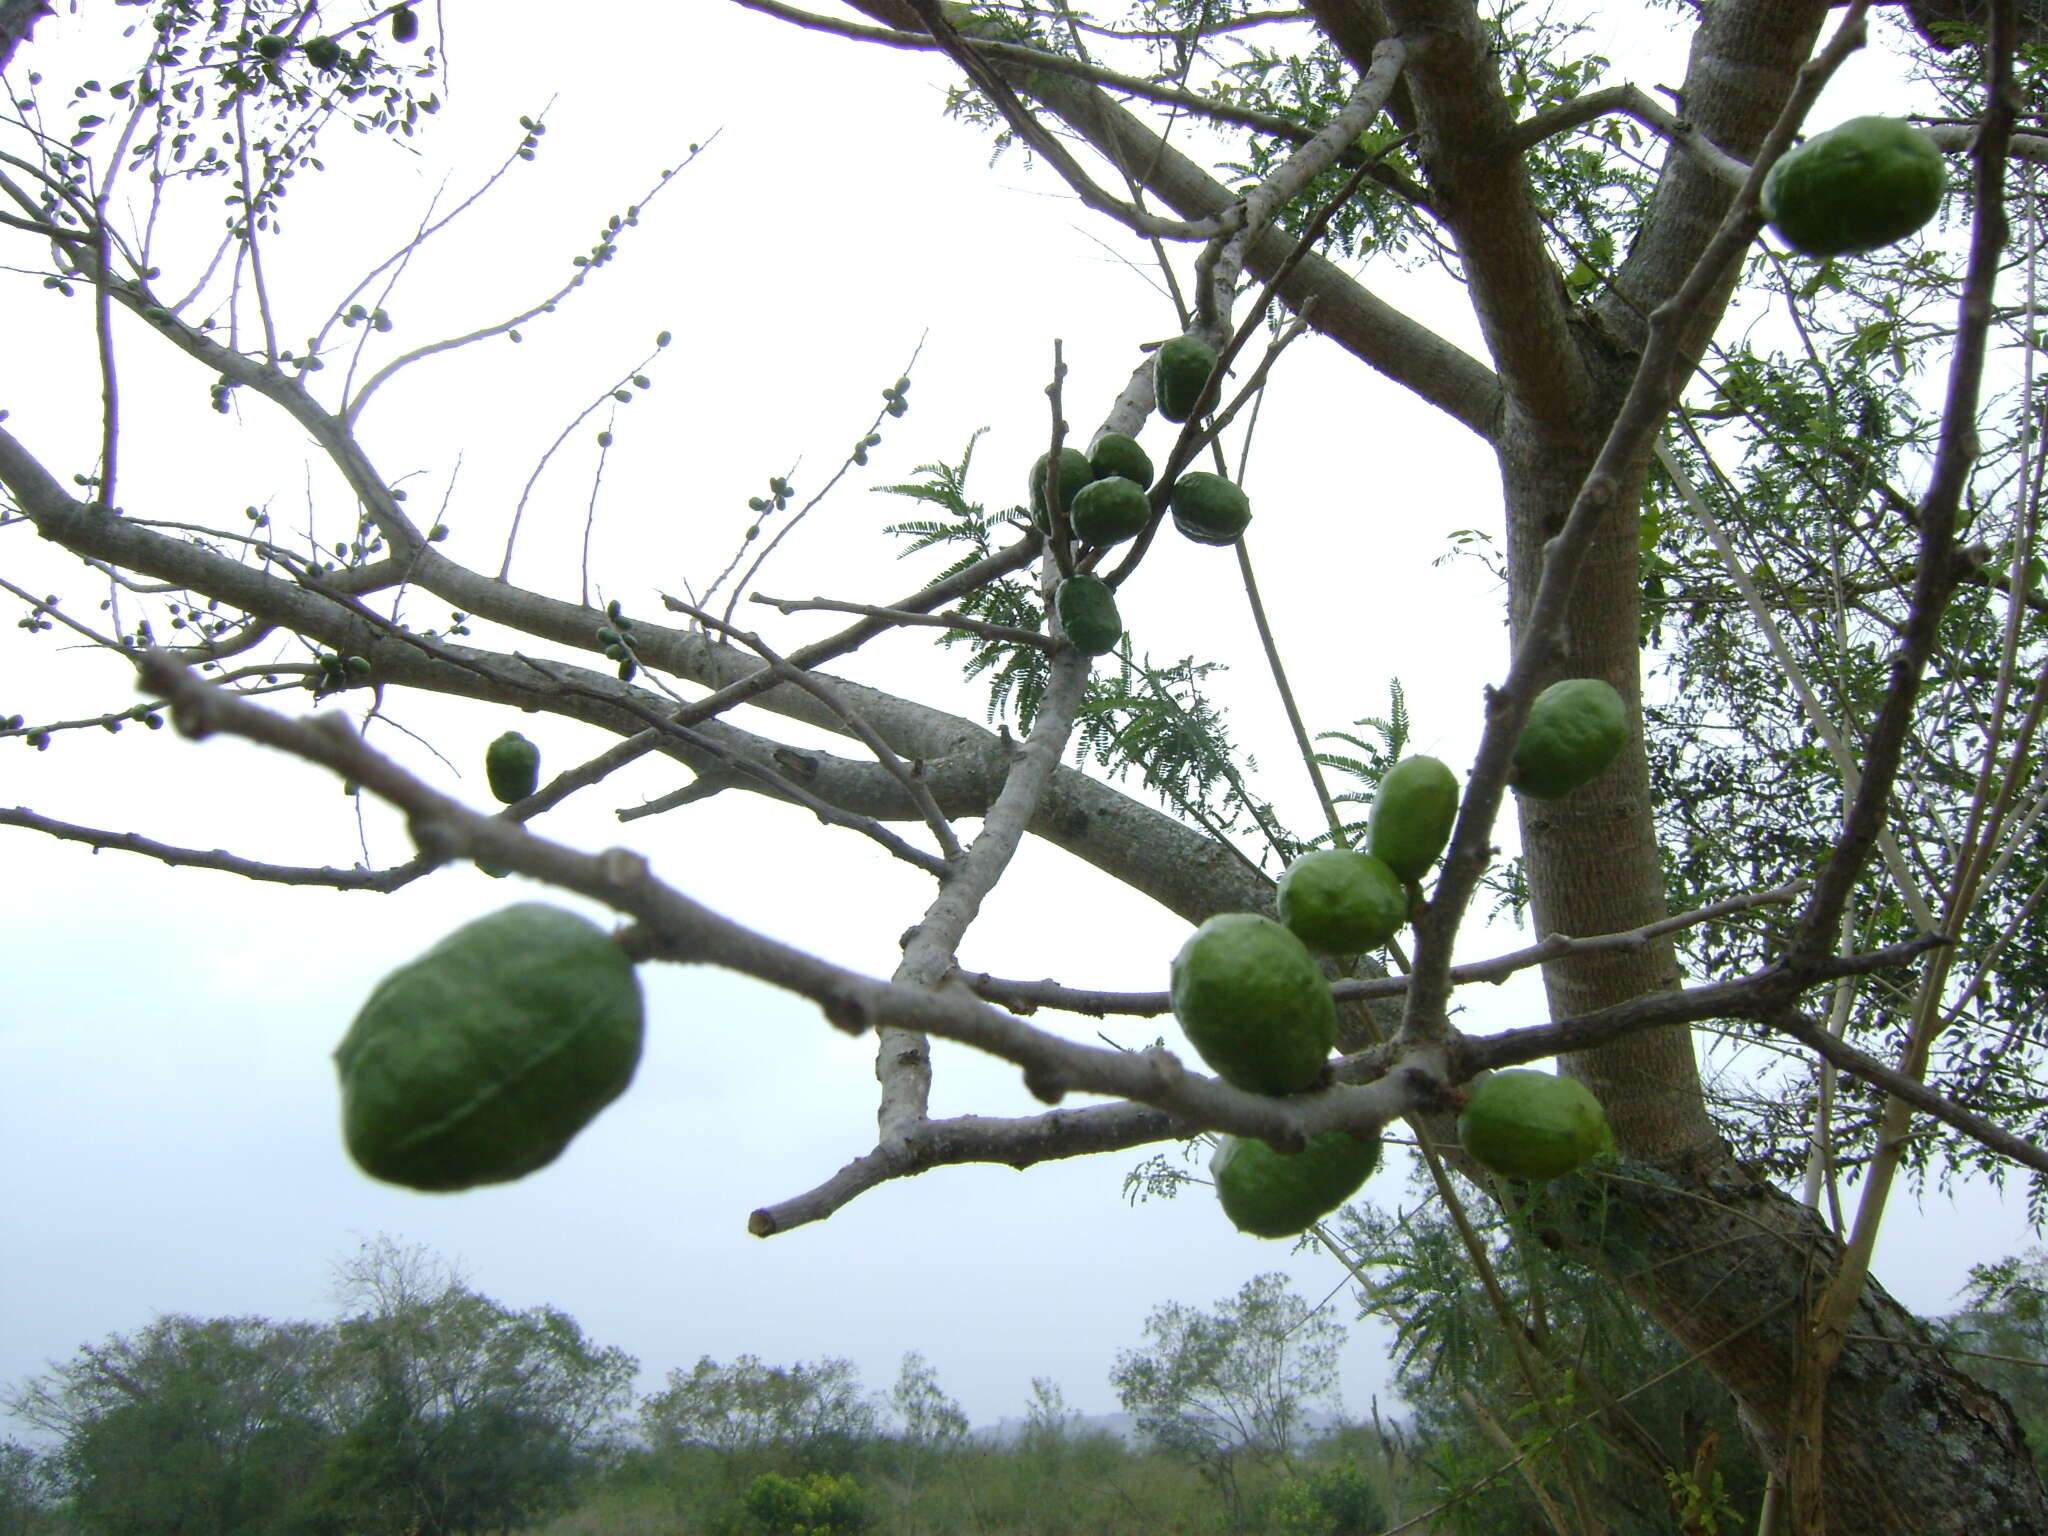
(427, 1409)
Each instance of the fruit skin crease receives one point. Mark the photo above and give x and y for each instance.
(1254, 1004)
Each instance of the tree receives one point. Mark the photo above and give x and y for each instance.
(26, 1489)
(811, 1412)
(457, 1414)
(2000, 1335)
(1637, 403)
(929, 1423)
(1048, 1422)
(1632, 1430)
(1230, 1385)
(188, 1426)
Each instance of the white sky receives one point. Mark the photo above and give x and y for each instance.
(167, 1105)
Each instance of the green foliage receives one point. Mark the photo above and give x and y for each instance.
(1017, 673)
(1230, 1386)
(190, 1427)
(1342, 1499)
(2000, 1336)
(813, 1504)
(806, 1414)
(1815, 447)
(1158, 722)
(28, 1489)
(1646, 1429)
(1368, 760)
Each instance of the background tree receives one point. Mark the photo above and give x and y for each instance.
(2001, 1331)
(458, 1414)
(27, 1489)
(810, 1414)
(929, 1425)
(1606, 250)
(1232, 1385)
(189, 1425)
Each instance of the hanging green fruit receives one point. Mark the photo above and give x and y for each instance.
(1110, 510)
(1180, 368)
(1087, 613)
(1865, 183)
(512, 764)
(1574, 730)
(1525, 1124)
(1116, 454)
(1339, 902)
(479, 1061)
(1208, 508)
(1254, 1004)
(1277, 1194)
(1412, 814)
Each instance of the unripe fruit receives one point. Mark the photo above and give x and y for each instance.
(1412, 815)
(478, 1062)
(1087, 614)
(1574, 730)
(512, 764)
(1180, 368)
(1075, 472)
(1116, 454)
(1525, 1124)
(1254, 1004)
(1275, 1194)
(1865, 183)
(1208, 508)
(1338, 902)
(1110, 510)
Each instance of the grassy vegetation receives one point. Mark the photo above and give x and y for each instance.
(1078, 1485)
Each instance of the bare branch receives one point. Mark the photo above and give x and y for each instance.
(1647, 110)
(951, 619)
(358, 879)
(1028, 995)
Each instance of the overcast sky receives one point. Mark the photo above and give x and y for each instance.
(167, 1103)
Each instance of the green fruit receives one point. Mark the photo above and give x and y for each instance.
(405, 26)
(1074, 473)
(1575, 729)
(323, 53)
(479, 1061)
(1274, 1194)
(1862, 184)
(1115, 454)
(1342, 903)
(273, 46)
(1208, 508)
(1412, 815)
(1087, 613)
(1110, 511)
(512, 764)
(1179, 370)
(1254, 1004)
(1530, 1125)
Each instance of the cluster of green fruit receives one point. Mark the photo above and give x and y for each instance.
(1253, 1001)
(1106, 497)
